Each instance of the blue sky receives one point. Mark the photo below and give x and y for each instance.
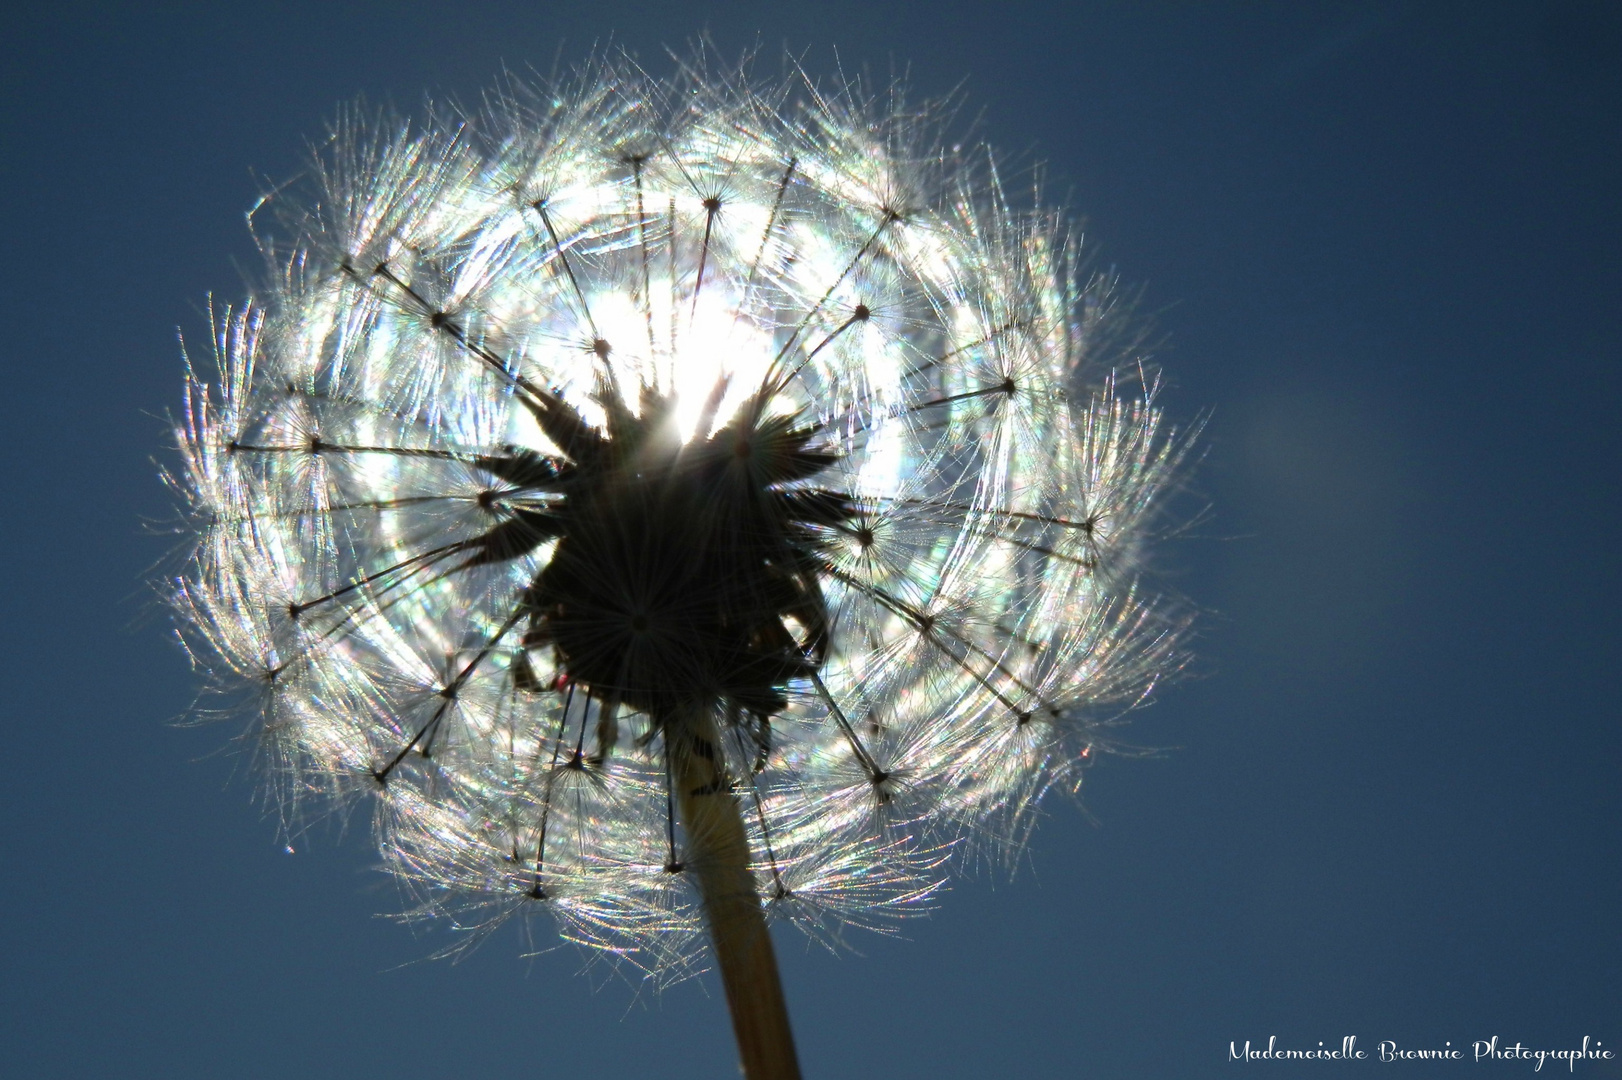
(1380, 244)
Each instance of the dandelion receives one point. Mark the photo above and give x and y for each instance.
(682, 504)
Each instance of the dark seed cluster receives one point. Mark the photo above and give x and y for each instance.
(683, 574)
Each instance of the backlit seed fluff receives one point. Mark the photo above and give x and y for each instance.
(626, 410)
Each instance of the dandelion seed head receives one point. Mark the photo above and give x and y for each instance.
(629, 410)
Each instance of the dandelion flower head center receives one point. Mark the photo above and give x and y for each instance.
(677, 563)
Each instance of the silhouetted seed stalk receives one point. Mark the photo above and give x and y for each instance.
(719, 858)
(681, 504)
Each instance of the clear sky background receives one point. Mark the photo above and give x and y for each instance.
(1384, 243)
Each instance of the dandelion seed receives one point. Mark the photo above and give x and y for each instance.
(679, 507)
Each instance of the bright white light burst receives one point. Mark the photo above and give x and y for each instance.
(630, 413)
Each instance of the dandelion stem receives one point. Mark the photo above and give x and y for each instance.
(718, 856)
